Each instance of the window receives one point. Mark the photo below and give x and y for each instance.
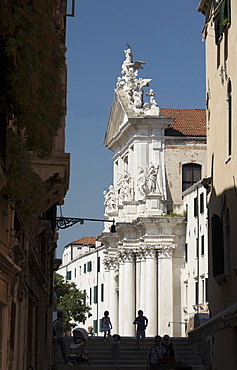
(217, 246)
(98, 264)
(69, 275)
(203, 290)
(84, 268)
(227, 243)
(84, 299)
(196, 292)
(186, 252)
(90, 296)
(95, 294)
(89, 266)
(206, 289)
(191, 173)
(195, 207)
(197, 248)
(202, 245)
(75, 272)
(229, 101)
(222, 17)
(102, 292)
(201, 203)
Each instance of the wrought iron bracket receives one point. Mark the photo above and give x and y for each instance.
(65, 222)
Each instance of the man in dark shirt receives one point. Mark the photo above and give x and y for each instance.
(141, 322)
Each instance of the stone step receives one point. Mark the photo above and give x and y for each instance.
(98, 350)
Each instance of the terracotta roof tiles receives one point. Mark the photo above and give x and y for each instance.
(86, 240)
(187, 122)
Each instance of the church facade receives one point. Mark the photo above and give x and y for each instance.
(158, 153)
(154, 154)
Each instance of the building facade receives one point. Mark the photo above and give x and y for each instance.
(219, 33)
(195, 269)
(158, 153)
(27, 241)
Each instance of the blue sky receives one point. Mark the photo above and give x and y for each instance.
(166, 34)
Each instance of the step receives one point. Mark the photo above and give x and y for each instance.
(98, 350)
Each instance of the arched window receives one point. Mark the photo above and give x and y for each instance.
(191, 173)
(229, 100)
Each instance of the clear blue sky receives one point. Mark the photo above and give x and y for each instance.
(164, 33)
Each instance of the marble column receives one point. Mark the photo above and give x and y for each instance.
(121, 313)
(137, 282)
(129, 294)
(113, 295)
(142, 300)
(151, 291)
(165, 290)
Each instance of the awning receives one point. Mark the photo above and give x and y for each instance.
(223, 319)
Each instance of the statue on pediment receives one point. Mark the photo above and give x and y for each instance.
(152, 178)
(110, 200)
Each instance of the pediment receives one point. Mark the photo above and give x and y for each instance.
(119, 114)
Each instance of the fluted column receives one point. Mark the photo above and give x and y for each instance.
(129, 294)
(151, 291)
(165, 289)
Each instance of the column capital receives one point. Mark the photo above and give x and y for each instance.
(110, 263)
(166, 251)
(125, 255)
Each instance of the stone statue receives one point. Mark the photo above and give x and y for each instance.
(152, 178)
(152, 98)
(124, 186)
(142, 183)
(110, 200)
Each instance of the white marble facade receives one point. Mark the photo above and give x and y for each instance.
(143, 261)
(144, 258)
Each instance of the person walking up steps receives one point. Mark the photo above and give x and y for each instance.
(156, 356)
(106, 325)
(141, 322)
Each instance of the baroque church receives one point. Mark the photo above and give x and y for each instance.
(157, 154)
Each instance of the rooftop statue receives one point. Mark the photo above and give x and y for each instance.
(134, 86)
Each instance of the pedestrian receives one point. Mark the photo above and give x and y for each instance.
(141, 321)
(90, 332)
(106, 325)
(59, 333)
(170, 350)
(156, 356)
(115, 352)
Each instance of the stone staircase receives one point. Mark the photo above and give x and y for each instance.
(130, 359)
